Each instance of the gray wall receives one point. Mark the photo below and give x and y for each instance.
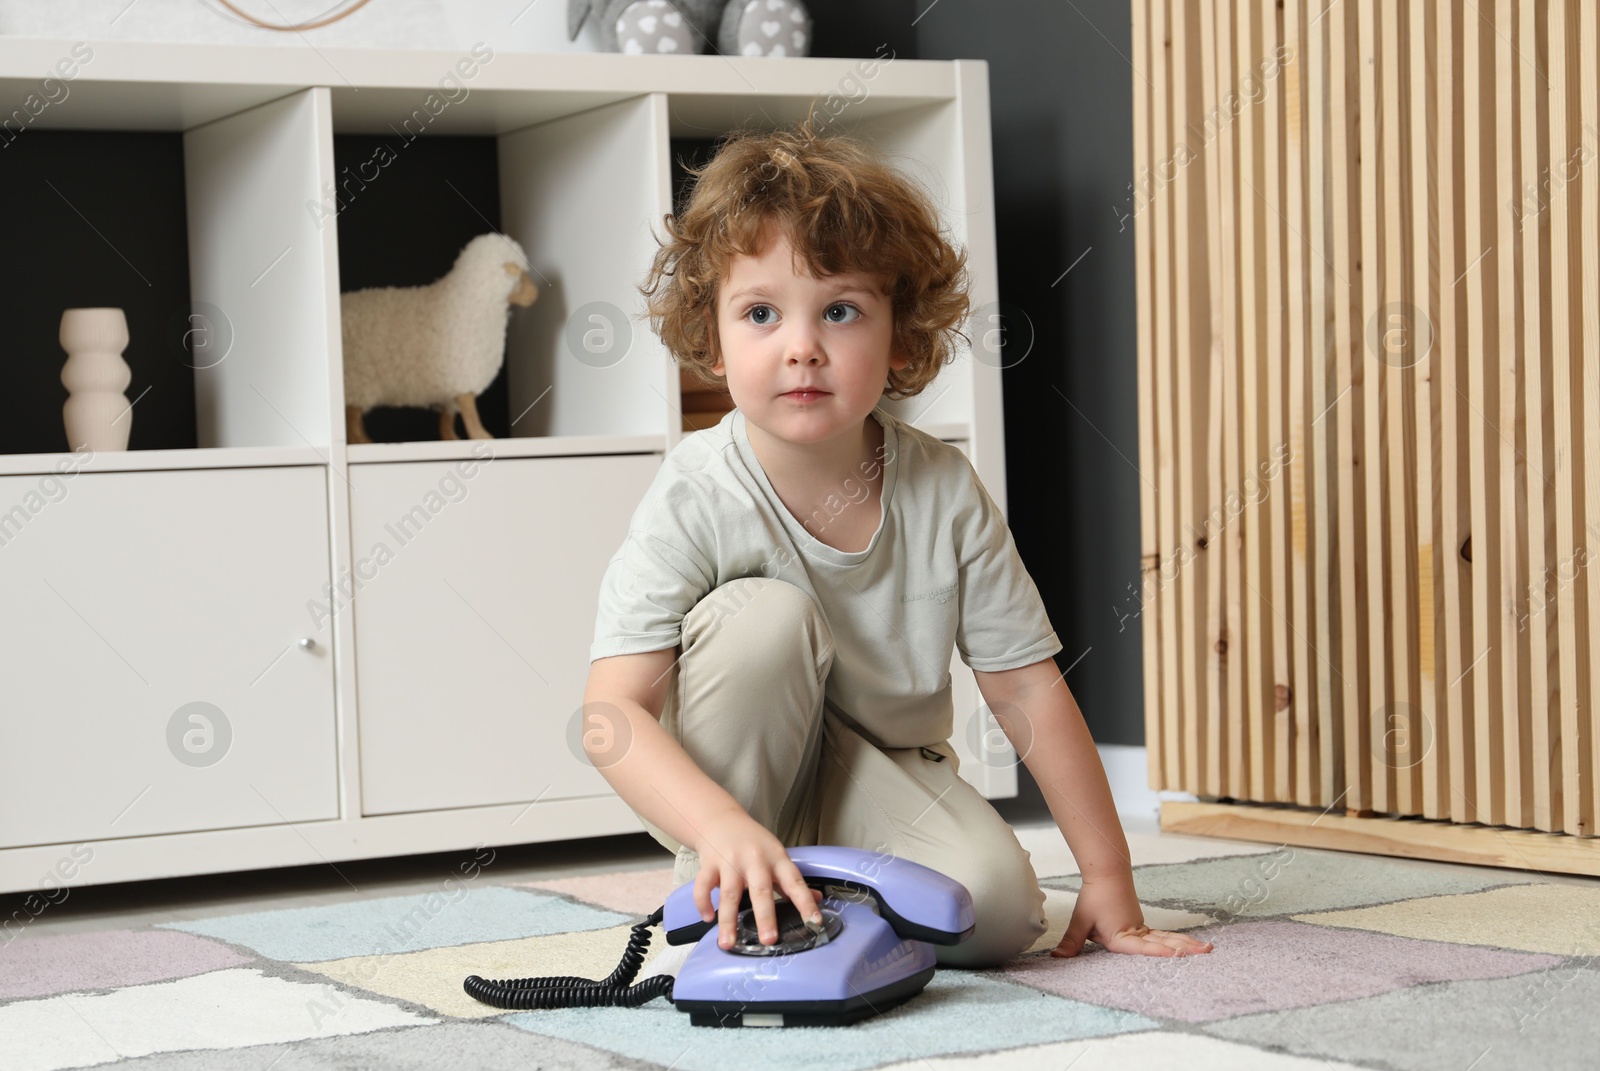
(1061, 111)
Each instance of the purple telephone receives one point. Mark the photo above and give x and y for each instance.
(881, 916)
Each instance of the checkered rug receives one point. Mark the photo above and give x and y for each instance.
(1322, 960)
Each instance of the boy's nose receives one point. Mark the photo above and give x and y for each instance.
(804, 346)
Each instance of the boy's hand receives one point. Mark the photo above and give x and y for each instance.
(736, 854)
(1108, 913)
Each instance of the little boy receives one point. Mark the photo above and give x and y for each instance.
(774, 636)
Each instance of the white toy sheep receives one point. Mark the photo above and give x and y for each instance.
(438, 345)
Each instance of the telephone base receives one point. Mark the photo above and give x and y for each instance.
(804, 1012)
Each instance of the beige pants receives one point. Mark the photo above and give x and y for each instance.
(747, 704)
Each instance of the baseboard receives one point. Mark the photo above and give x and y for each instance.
(1412, 838)
(1128, 771)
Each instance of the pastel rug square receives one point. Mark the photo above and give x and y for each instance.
(632, 892)
(1292, 881)
(1051, 858)
(1564, 919)
(37, 966)
(440, 1047)
(1152, 1050)
(1157, 848)
(1058, 905)
(1263, 966)
(475, 1046)
(959, 1011)
(394, 924)
(433, 977)
(1543, 1020)
(223, 1009)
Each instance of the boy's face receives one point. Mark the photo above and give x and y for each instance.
(779, 330)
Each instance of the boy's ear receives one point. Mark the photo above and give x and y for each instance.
(897, 358)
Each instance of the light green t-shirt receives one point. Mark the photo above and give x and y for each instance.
(941, 570)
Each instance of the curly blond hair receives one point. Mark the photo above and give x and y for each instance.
(844, 209)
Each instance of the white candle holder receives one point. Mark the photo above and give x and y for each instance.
(96, 412)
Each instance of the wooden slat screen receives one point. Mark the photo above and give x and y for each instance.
(1369, 383)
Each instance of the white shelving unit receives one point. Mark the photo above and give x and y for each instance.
(426, 707)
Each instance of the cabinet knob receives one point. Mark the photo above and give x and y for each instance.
(307, 643)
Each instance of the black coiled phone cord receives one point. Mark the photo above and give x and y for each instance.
(569, 991)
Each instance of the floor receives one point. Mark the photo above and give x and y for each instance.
(145, 903)
(148, 903)
(1256, 1041)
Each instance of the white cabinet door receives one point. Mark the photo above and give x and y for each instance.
(150, 675)
(473, 619)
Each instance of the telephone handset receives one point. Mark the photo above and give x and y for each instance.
(881, 917)
(917, 901)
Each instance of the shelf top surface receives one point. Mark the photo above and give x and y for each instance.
(178, 86)
(67, 465)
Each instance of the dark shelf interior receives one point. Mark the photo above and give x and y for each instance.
(97, 218)
(401, 223)
(703, 405)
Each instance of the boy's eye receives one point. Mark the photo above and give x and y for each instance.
(766, 314)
